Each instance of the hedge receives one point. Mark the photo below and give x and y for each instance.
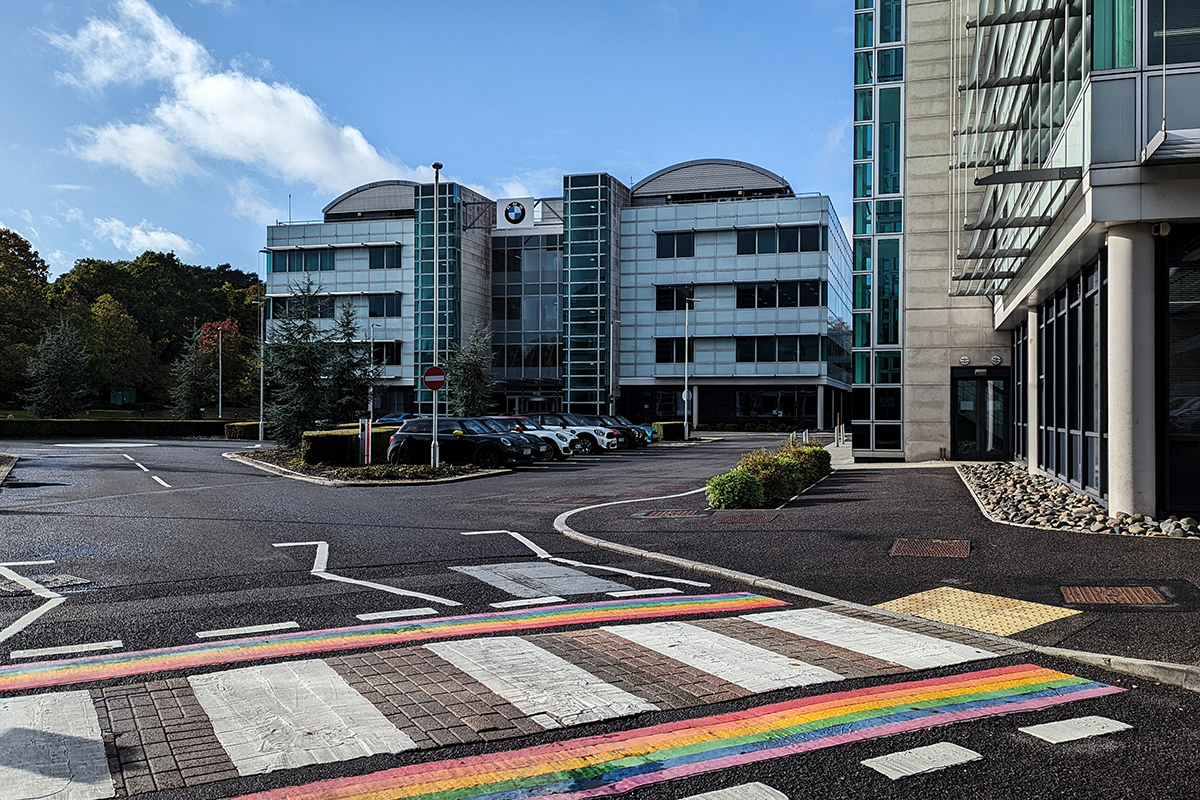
(735, 489)
(669, 431)
(241, 430)
(339, 447)
(111, 428)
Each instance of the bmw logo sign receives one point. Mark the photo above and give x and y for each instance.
(514, 212)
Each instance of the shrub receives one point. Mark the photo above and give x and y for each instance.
(779, 474)
(735, 489)
(241, 430)
(336, 448)
(703, 426)
(669, 431)
(814, 460)
(763, 428)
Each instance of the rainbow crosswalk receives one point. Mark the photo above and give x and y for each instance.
(611, 764)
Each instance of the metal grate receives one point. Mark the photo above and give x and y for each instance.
(671, 488)
(744, 518)
(671, 512)
(1113, 595)
(933, 548)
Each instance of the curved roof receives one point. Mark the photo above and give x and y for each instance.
(709, 175)
(374, 197)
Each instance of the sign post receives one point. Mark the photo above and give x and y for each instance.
(435, 379)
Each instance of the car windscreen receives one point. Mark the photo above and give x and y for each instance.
(624, 421)
(575, 419)
(417, 426)
(473, 426)
(493, 425)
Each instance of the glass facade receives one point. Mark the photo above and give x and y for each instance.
(878, 223)
(437, 244)
(527, 313)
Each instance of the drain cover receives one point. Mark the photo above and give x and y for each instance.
(1112, 595)
(934, 548)
(744, 518)
(670, 512)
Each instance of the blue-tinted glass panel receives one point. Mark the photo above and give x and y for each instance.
(891, 65)
(863, 71)
(862, 219)
(862, 291)
(887, 367)
(889, 292)
(862, 179)
(862, 142)
(862, 255)
(889, 20)
(864, 30)
(889, 141)
(864, 105)
(889, 216)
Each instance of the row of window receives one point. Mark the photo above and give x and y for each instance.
(772, 294)
(301, 260)
(750, 241)
(747, 349)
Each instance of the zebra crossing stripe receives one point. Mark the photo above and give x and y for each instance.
(551, 690)
(52, 748)
(280, 716)
(37, 675)
(730, 659)
(620, 762)
(907, 648)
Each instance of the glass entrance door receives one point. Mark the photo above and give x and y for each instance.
(979, 427)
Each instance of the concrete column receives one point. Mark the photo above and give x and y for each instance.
(695, 390)
(1132, 480)
(1031, 387)
(821, 407)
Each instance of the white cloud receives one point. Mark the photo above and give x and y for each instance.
(206, 112)
(141, 237)
(68, 187)
(248, 203)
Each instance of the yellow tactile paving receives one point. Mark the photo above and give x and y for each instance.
(988, 613)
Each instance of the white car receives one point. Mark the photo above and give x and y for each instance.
(564, 442)
(592, 438)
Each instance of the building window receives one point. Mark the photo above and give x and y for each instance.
(383, 305)
(676, 245)
(384, 257)
(672, 298)
(889, 141)
(889, 20)
(320, 260)
(887, 367)
(670, 351)
(862, 180)
(862, 292)
(889, 291)
(891, 65)
(889, 216)
(862, 330)
(387, 354)
(864, 30)
(862, 219)
(283, 306)
(767, 241)
(862, 142)
(887, 404)
(771, 349)
(784, 294)
(1112, 34)
(862, 68)
(1182, 34)
(862, 255)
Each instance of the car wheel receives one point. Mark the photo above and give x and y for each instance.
(588, 446)
(560, 455)
(399, 455)
(488, 458)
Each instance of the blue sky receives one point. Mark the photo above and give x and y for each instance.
(185, 125)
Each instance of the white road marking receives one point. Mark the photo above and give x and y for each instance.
(69, 649)
(553, 691)
(273, 626)
(535, 549)
(630, 573)
(321, 561)
(644, 592)
(539, 579)
(31, 585)
(161, 481)
(1068, 730)
(528, 601)
(281, 716)
(733, 660)
(53, 599)
(909, 649)
(30, 618)
(405, 612)
(52, 748)
(100, 446)
(25, 563)
(139, 465)
(921, 759)
(128, 456)
(747, 791)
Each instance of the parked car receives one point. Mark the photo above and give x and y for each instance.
(651, 434)
(461, 440)
(398, 418)
(636, 436)
(563, 442)
(592, 438)
(542, 450)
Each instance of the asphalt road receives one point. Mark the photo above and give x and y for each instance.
(170, 539)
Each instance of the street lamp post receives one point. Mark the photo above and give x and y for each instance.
(220, 373)
(434, 450)
(371, 385)
(262, 354)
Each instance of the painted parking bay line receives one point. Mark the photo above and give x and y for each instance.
(270, 626)
(280, 716)
(52, 748)
(67, 650)
(750, 667)
(920, 760)
(551, 690)
(907, 648)
(160, 481)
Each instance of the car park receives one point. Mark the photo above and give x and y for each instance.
(541, 449)
(592, 438)
(635, 435)
(461, 440)
(651, 434)
(563, 441)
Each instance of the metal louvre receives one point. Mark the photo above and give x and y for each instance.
(1018, 67)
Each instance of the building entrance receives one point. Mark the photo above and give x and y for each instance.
(979, 425)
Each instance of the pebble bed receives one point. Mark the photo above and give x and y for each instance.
(1010, 493)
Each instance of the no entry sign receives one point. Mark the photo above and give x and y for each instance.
(435, 378)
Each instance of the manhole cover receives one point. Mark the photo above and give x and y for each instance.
(1112, 595)
(744, 518)
(671, 512)
(669, 488)
(934, 548)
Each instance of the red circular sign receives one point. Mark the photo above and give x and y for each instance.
(435, 378)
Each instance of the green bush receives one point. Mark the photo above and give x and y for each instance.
(241, 430)
(703, 426)
(110, 428)
(380, 436)
(338, 448)
(814, 460)
(735, 489)
(669, 431)
(779, 474)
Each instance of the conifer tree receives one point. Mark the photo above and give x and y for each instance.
(192, 379)
(470, 382)
(56, 375)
